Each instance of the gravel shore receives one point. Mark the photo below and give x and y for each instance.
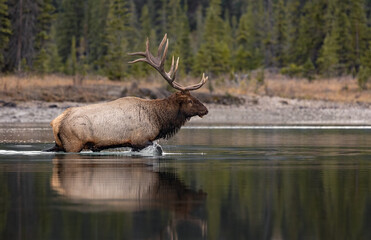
(256, 111)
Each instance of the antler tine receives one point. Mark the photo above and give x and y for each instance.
(162, 62)
(139, 60)
(198, 85)
(137, 53)
(158, 63)
(173, 69)
(171, 72)
(191, 87)
(164, 39)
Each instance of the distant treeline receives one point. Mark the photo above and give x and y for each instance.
(297, 37)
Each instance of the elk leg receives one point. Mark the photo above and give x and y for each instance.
(74, 145)
(138, 148)
(55, 148)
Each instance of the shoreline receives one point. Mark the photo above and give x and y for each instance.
(258, 110)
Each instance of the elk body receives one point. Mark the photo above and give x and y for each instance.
(129, 121)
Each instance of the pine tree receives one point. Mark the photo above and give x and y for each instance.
(200, 27)
(54, 61)
(343, 25)
(178, 33)
(359, 31)
(293, 14)
(249, 52)
(40, 64)
(145, 21)
(96, 22)
(44, 22)
(185, 44)
(5, 31)
(214, 55)
(364, 74)
(23, 15)
(147, 30)
(72, 61)
(69, 23)
(312, 31)
(328, 60)
(280, 37)
(115, 40)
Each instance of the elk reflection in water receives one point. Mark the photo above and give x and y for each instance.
(126, 185)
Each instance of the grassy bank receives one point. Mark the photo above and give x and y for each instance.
(53, 88)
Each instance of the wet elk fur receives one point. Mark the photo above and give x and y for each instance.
(129, 121)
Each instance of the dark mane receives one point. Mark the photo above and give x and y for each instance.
(170, 128)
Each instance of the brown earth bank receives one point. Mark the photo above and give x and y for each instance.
(277, 101)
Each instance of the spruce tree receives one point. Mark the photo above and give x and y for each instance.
(213, 56)
(5, 31)
(54, 61)
(116, 40)
(178, 33)
(359, 31)
(44, 22)
(244, 59)
(249, 54)
(21, 52)
(96, 22)
(293, 14)
(69, 23)
(280, 38)
(147, 30)
(145, 22)
(364, 74)
(328, 60)
(312, 31)
(200, 27)
(343, 26)
(185, 52)
(72, 62)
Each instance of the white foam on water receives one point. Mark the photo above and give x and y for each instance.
(150, 151)
(309, 127)
(170, 154)
(26, 153)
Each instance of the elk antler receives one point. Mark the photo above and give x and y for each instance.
(159, 62)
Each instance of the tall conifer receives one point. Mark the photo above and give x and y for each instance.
(214, 54)
(5, 31)
(116, 39)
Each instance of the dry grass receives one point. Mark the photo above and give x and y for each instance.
(343, 89)
(59, 88)
(13, 82)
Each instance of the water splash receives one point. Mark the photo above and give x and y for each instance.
(25, 153)
(153, 150)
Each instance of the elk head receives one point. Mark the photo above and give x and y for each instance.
(189, 105)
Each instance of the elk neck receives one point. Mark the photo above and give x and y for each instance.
(169, 117)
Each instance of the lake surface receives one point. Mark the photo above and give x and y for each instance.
(211, 183)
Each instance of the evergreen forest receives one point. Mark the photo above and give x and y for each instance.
(303, 38)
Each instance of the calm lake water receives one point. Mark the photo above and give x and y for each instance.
(220, 183)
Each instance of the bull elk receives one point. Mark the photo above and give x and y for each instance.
(129, 121)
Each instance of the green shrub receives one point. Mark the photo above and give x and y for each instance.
(363, 77)
(293, 70)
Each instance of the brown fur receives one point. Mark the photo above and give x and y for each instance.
(125, 122)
